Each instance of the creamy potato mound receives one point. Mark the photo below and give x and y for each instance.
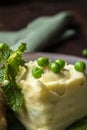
(53, 101)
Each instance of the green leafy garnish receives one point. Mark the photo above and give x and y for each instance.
(9, 66)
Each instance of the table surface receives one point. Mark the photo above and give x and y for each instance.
(17, 16)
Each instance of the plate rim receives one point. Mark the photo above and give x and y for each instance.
(34, 55)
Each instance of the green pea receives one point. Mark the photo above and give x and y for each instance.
(43, 61)
(61, 63)
(37, 72)
(80, 66)
(84, 52)
(54, 67)
(2, 45)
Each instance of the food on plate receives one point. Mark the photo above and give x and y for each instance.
(44, 94)
(54, 94)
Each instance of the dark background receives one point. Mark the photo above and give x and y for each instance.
(16, 14)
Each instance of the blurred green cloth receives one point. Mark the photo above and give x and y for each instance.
(44, 32)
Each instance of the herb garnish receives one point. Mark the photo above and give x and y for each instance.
(9, 66)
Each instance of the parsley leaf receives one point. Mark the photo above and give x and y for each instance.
(13, 95)
(5, 52)
(10, 61)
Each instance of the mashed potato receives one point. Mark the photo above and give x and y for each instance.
(53, 101)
